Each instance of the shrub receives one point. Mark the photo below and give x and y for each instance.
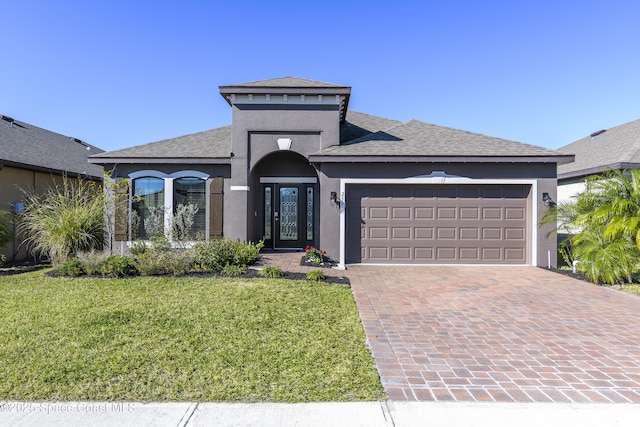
(138, 248)
(6, 219)
(270, 271)
(160, 243)
(67, 219)
(183, 220)
(151, 264)
(3, 259)
(316, 275)
(73, 267)
(180, 262)
(156, 261)
(118, 266)
(92, 261)
(217, 254)
(316, 256)
(233, 270)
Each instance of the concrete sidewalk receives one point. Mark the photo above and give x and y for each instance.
(334, 414)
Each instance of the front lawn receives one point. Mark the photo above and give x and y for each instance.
(203, 339)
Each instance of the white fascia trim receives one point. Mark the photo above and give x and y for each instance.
(287, 180)
(240, 188)
(158, 174)
(442, 180)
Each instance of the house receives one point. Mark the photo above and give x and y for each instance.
(615, 148)
(296, 167)
(32, 158)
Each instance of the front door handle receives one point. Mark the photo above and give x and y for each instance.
(275, 216)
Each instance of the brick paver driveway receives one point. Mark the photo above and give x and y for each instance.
(498, 334)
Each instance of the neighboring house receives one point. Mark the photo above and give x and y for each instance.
(615, 148)
(297, 168)
(32, 158)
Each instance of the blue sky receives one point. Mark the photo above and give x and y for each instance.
(122, 73)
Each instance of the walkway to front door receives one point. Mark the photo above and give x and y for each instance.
(506, 334)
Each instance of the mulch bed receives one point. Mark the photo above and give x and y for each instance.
(249, 273)
(328, 263)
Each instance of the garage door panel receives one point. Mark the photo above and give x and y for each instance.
(469, 213)
(492, 213)
(401, 233)
(514, 254)
(448, 212)
(401, 254)
(437, 224)
(469, 254)
(423, 213)
(378, 213)
(424, 254)
(378, 233)
(401, 212)
(514, 213)
(469, 233)
(446, 233)
(423, 232)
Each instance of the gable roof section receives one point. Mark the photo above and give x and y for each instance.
(360, 124)
(419, 141)
(210, 146)
(616, 148)
(30, 147)
(288, 81)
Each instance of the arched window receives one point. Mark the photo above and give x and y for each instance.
(147, 215)
(189, 208)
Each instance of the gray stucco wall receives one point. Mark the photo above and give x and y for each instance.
(256, 130)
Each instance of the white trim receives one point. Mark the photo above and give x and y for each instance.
(287, 180)
(157, 174)
(168, 207)
(444, 180)
(240, 188)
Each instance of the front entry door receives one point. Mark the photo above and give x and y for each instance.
(288, 215)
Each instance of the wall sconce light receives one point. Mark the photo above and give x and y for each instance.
(546, 199)
(334, 197)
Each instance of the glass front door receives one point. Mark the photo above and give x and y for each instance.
(288, 220)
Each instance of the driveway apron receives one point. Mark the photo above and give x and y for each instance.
(503, 334)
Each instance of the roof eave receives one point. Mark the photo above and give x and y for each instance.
(48, 170)
(598, 169)
(160, 160)
(439, 159)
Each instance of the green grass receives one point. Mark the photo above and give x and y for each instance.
(204, 339)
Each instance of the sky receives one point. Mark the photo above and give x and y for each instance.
(122, 73)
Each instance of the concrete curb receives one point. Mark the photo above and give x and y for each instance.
(334, 414)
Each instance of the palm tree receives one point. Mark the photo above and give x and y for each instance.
(619, 207)
(604, 224)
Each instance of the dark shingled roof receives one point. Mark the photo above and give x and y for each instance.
(616, 148)
(289, 81)
(27, 146)
(361, 135)
(416, 138)
(209, 144)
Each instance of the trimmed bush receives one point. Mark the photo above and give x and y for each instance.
(233, 270)
(270, 271)
(217, 254)
(118, 266)
(92, 261)
(315, 275)
(73, 267)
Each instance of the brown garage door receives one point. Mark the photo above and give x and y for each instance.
(437, 224)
